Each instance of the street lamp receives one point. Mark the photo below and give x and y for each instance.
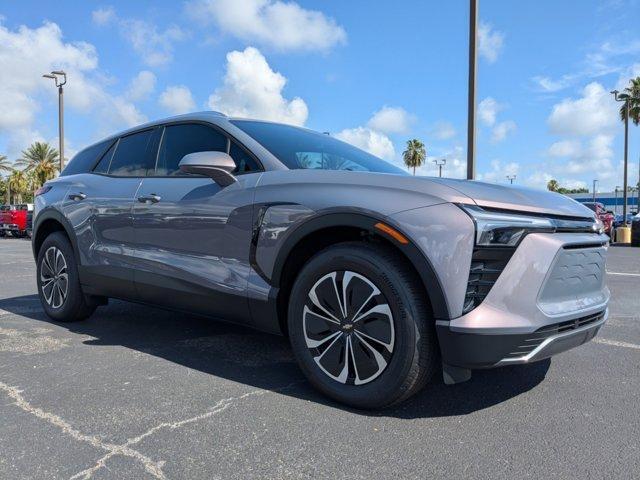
(60, 78)
(511, 178)
(623, 97)
(440, 164)
(594, 190)
(616, 207)
(471, 100)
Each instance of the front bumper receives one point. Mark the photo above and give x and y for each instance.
(550, 297)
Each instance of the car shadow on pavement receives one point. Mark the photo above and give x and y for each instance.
(265, 361)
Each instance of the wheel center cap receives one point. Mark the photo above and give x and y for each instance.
(347, 327)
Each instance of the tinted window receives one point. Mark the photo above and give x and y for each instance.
(85, 160)
(180, 140)
(301, 148)
(245, 163)
(132, 157)
(105, 161)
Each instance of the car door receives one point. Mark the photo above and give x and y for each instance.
(99, 206)
(193, 236)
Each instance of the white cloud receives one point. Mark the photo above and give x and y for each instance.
(252, 89)
(499, 171)
(488, 110)
(502, 129)
(154, 46)
(25, 54)
(376, 143)
(490, 42)
(456, 166)
(141, 86)
(391, 120)
(444, 130)
(103, 16)
(593, 113)
(274, 23)
(550, 85)
(565, 148)
(177, 99)
(593, 156)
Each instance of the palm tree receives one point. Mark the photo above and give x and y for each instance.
(18, 184)
(633, 90)
(6, 166)
(552, 185)
(415, 154)
(41, 159)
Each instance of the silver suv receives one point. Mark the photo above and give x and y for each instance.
(377, 277)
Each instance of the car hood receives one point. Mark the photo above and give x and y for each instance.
(511, 197)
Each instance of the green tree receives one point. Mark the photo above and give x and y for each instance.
(40, 159)
(415, 154)
(552, 185)
(5, 166)
(633, 90)
(18, 184)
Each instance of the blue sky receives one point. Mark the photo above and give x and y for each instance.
(372, 73)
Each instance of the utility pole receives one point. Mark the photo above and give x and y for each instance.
(60, 78)
(623, 97)
(440, 164)
(511, 178)
(471, 107)
(594, 190)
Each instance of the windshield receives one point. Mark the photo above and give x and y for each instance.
(301, 148)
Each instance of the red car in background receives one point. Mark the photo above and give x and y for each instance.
(16, 219)
(606, 217)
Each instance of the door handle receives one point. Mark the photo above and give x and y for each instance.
(152, 198)
(76, 197)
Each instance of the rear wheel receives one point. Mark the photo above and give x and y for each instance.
(58, 282)
(360, 326)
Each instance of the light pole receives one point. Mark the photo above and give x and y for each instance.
(616, 206)
(440, 164)
(55, 75)
(511, 178)
(471, 106)
(623, 97)
(594, 190)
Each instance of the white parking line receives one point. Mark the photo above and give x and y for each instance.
(624, 274)
(615, 343)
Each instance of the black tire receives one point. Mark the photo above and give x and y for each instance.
(414, 356)
(74, 305)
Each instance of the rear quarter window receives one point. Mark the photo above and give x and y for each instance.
(84, 161)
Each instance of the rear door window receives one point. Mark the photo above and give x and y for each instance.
(133, 155)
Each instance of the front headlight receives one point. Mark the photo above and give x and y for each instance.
(502, 229)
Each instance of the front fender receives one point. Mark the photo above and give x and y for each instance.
(275, 240)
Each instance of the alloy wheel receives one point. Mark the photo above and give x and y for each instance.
(348, 327)
(54, 277)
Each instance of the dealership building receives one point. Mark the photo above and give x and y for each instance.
(611, 200)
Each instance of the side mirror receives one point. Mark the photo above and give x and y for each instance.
(215, 165)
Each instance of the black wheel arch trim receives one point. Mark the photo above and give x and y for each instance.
(50, 213)
(361, 218)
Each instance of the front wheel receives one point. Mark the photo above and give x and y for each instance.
(58, 282)
(360, 325)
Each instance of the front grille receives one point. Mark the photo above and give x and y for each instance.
(530, 343)
(486, 266)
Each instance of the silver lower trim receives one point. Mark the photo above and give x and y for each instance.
(538, 352)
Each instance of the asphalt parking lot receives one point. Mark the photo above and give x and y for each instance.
(136, 392)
